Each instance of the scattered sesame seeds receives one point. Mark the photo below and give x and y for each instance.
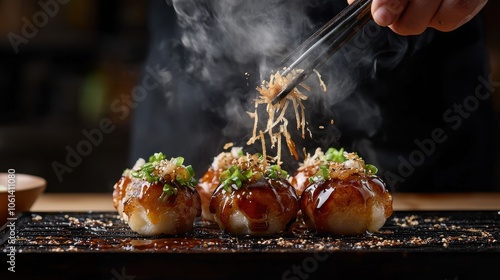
(104, 232)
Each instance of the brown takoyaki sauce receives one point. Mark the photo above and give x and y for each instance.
(148, 195)
(158, 196)
(355, 195)
(262, 202)
(210, 180)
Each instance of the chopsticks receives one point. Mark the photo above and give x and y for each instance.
(325, 42)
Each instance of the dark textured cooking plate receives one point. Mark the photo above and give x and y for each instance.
(411, 244)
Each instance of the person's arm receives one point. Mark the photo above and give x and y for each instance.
(412, 17)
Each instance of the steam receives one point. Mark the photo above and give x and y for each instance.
(238, 31)
(234, 42)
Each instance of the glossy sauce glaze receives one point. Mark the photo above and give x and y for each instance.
(148, 213)
(351, 206)
(210, 180)
(119, 193)
(300, 180)
(206, 187)
(263, 207)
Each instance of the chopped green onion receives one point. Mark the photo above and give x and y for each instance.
(225, 174)
(168, 191)
(146, 170)
(335, 155)
(275, 172)
(233, 176)
(148, 166)
(371, 169)
(180, 180)
(190, 170)
(157, 157)
(145, 173)
(191, 182)
(322, 174)
(248, 174)
(178, 161)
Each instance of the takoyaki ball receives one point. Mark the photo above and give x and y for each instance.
(158, 197)
(210, 180)
(254, 199)
(346, 197)
(352, 206)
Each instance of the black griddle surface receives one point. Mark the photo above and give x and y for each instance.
(412, 244)
(462, 231)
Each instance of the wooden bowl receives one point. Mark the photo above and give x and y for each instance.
(27, 189)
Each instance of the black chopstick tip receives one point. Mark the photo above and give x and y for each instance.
(280, 96)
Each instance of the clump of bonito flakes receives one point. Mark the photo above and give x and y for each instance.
(277, 124)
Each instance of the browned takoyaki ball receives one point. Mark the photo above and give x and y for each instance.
(354, 205)
(254, 198)
(158, 197)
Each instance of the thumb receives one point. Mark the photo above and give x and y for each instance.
(386, 12)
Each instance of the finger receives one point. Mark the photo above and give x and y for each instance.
(454, 13)
(387, 12)
(416, 17)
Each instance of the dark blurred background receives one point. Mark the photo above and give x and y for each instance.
(62, 67)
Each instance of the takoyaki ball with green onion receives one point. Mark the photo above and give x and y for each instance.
(254, 199)
(210, 180)
(344, 195)
(158, 196)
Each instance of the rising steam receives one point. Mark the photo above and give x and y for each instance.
(238, 31)
(226, 39)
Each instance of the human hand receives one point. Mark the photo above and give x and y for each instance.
(412, 17)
